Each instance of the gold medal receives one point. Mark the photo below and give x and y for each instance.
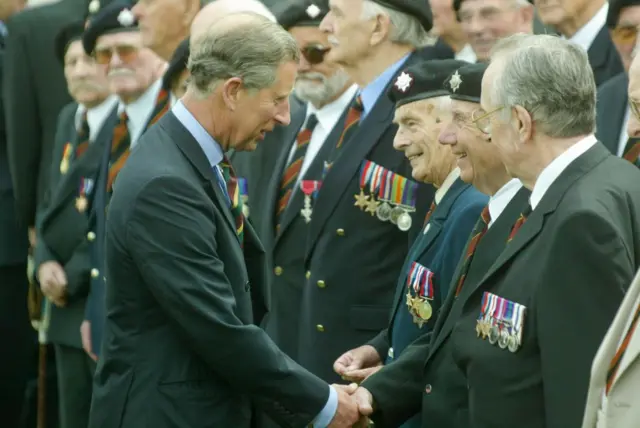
(81, 203)
(479, 328)
(64, 166)
(372, 205)
(423, 308)
(409, 301)
(362, 200)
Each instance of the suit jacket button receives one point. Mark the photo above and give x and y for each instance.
(427, 388)
(91, 236)
(278, 270)
(95, 273)
(308, 274)
(320, 328)
(340, 232)
(321, 284)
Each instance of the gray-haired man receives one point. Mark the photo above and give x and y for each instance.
(185, 269)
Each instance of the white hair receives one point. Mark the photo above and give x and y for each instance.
(405, 29)
(548, 76)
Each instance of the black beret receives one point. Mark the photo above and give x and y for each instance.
(177, 64)
(114, 18)
(423, 80)
(69, 33)
(465, 84)
(457, 3)
(615, 7)
(298, 13)
(419, 9)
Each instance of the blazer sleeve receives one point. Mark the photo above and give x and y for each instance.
(381, 343)
(397, 387)
(170, 238)
(24, 133)
(582, 284)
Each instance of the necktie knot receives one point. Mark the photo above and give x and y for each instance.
(123, 117)
(357, 104)
(312, 121)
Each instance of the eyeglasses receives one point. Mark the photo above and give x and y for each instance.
(126, 53)
(482, 121)
(624, 35)
(314, 54)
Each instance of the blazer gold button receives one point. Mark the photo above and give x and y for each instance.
(308, 274)
(321, 284)
(340, 232)
(91, 236)
(320, 327)
(278, 270)
(95, 273)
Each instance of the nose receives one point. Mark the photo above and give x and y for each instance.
(447, 135)
(400, 142)
(283, 116)
(326, 25)
(136, 10)
(474, 26)
(633, 127)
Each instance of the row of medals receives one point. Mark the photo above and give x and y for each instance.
(420, 309)
(398, 215)
(498, 332)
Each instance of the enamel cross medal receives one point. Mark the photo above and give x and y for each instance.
(310, 189)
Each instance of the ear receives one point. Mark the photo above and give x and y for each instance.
(524, 125)
(232, 92)
(381, 28)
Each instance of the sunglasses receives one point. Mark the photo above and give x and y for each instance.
(314, 54)
(126, 53)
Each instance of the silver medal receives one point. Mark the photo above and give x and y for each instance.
(513, 343)
(396, 212)
(384, 211)
(503, 341)
(494, 334)
(404, 222)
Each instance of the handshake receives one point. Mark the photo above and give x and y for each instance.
(355, 404)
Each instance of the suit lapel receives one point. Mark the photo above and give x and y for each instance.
(193, 152)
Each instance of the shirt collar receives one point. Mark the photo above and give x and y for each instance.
(552, 171)
(373, 90)
(585, 36)
(328, 115)
(466, 54)
(96, 116)
(499, 201)
(209, 145)
(446, 185)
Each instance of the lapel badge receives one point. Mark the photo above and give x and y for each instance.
(313, 11)
(455, 81)
(126, 18)
(403, 82)
(310, 188)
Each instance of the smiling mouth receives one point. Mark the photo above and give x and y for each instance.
(413, 157)
(460, 155)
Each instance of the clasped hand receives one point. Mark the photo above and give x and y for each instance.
(355, 404)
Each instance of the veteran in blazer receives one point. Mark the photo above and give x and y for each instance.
(353, 256)
(66, 284)
(613, 388)
(185, 271)
(423, 107)
(425, 377)
(572, 255)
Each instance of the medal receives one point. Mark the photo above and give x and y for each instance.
(503, 340)
(310, 189)
(479, 328)
(404, 222)
(395, 214)
(384, 212)
(81, 203)
(372, 206)
(361, 200)
(409, 301)
(481, 324)
(494, 333)
(424, 309)
(420, 280)
(513, 343)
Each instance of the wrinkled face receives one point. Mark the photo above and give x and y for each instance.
(484, 22)
(349, 35)
(556, 12)
(444, 17)
(319, 80)
(419, 124)
(86, 81)
(163, 23)
(476, 155)
(624, 36)
(130, 67)
(254, 113)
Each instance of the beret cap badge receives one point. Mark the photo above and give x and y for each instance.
(313, 11)
(404, 81)
(126, 18)
(455, 81)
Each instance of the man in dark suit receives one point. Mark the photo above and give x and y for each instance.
(186, 272)
(584, 23)
(423, 107)
(14, 319)
(612, 107)
(531, 326)
(425, 377)
(67, 285)
(345, 302)
(35, 92)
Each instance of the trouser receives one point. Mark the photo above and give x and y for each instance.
(75, 380)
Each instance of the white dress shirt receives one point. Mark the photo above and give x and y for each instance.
(327, 117)
(466, 54)
(557, 166)
(622, 142)
(446, 185)
(585, 36)
(139, 111)
(95, 116)
(499, 201)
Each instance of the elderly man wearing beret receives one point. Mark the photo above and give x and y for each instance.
(423, 108)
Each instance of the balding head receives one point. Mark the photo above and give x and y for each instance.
(218, 9)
